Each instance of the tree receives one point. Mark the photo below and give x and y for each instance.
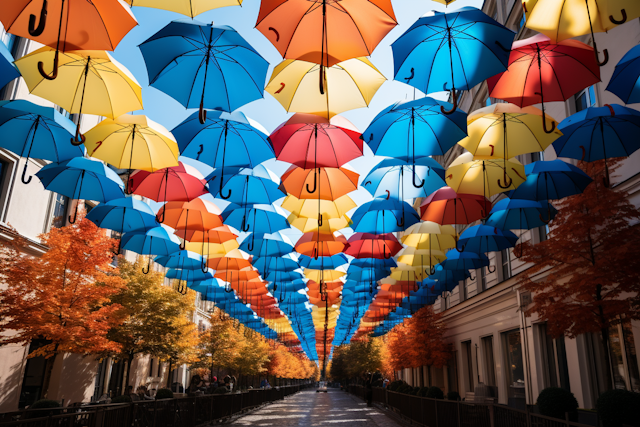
(399, 352)
(338, 368)
(64, 296)
(589, 265)
(252, 354)
(156, 318)
(426, 332)
(218, 345)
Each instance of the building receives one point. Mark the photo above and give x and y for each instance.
(74, 378)
(495, 344)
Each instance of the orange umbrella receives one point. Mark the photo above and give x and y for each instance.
(332, 182)
(316, 244)
(234, 277)
(228, 263)
(217, 235)
(74, 25)
(197, 214)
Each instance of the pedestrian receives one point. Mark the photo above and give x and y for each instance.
(369, 389)
(264, 383)
(143, 393)
(214, 385)
(195, 384)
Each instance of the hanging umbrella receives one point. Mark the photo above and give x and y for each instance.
(482, 238)
(370, 217)
(599, 133)
(8, 71)
(352, 84)
(188, 276)
(542, 71)
(451, 51)
(323, 275)
(81, 178)
(228, 262)
(35, 131)
(154, 241)
(367, 245)
(190, 8)
(99, 25)
(484, 177)
(260, 219)
(197, 214)
(317, 212)
(90, 82)
(132, 142)
(420, 257)
(315, 244)
(407, 273)
(182, 260)
(180, 183)
(445, 277)
(205, 65)
(399, 178)
(244, 189)
(625, 82)
(552, 179)
(267, 245)
(445, 206)
(323, 263)
(430, 235)
(464, 261)
(220, 234)
(333, 182)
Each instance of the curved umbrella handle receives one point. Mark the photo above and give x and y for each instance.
(54, 73)
(75, 216)
(26, 180)
(320, 221)
(472, 278)
(37, 31)
(544, 124)
(421, 184)
(611, 18)
(548, 219)
(202, 113)
(148, 266)
(401, 223)
(315, 182)
(79, 138)
(408, 79)
(252, 244)
(515, 250)
(507, 181)
(245, 222)
(161, 219)
(605, 52)
(483, 217)
(490, 270)
(183, 244)
(432, 270)
(199, 152)
(315, 253)
(455, 103)
(222, 195)
(203, 266)
(384, 252)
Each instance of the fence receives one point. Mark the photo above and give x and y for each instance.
(178, 412)
(448, 413)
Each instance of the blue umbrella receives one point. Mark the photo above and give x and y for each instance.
(259, 219)
(384, 215)
(552, 179)
(274, 263)
(419, 121)
(81, 178)
(625, 82)
(31, 130)
(515, 214)
(204, 65)
(155, 241)
(599, 133)
(481, 239)
(292, 286)
(464, 260)
(398, 178)
(8, 71)
(323, 262)
(370, 275)
(451, 51)
(244, 190)
(283, 276)
(448, 276)
(186, 275)
(373, 263)
(266, 245)
(185, 260)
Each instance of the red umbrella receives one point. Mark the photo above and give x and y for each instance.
(316, 244)
(445, 206)
(180, 183)
(540, 71)
(367, 245)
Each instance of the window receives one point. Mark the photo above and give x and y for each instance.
(489, 362)
(468, 366)
(33, 379)
(505, 257)
(452, 372)
(151, 367)
(514, 367)
(585, 99)
(60, 208)
(622, 356)
(554, 359)
(543, 233)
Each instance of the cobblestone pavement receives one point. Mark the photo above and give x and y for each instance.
(309, 409)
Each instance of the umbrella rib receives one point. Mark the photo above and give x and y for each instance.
(284, 54)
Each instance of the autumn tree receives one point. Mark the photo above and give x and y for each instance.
(585, 276)
(218, 345)
(156, 318)
(338, 366)
(426, 332)
(62, 297)
(252, 354)
(399, 353)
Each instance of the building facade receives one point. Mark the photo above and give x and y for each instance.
(495, 344)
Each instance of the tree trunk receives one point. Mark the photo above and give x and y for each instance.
(48, 369)
(605, 341)
(128, 374)
(169, 374)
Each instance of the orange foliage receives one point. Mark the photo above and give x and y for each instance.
(285, 364)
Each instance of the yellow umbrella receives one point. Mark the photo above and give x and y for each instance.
(430, 235)
(323, 275)
(309, 215)
(311, 224)
(620, 11)
(133, 142)
(468, 175)
(89, 82)
(348, 85)
(503, 131)
(191, 8)
(444, 2)
(407, 273)
(213, 249)
(421, 257)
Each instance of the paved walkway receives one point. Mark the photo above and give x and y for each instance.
(309, 409)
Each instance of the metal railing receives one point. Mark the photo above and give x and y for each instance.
(177, 412)
(448, 413)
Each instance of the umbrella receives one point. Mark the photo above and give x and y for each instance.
(407, 273)
(189, 276)
(318, 212)
(367, 245)
(220, 234)
(132, 142)
(625, 82)
(267, 245)
(8, 71)
(99, 25)
(205, 65)
(154, 241)
(370, 217)
(91, 82)
(542, 71)
(445, 206)
(399, 178)
(191, 8)
(228, 262)
(430, 235)
(244, 189)
(197, 214)
(449, 276)
(180, 183)
(599, 133)
(81, 178)
(260, 219)
(484, 238)
(458, 49)
(183, 260)
(34, 131)
(457, 260)
(316, 244)
(333, 182)
(323, 262)
(552, 179)
(352, 84)
(421, 257)
(468, 175)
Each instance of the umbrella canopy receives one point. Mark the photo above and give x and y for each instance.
(190, 8)
(370, 217)
(421, 124)
(132, 142)
(268, 264)
(8, 71)
(123, 215)
(331, 183)
(449, 51)
(367, 245)
(446, 277)
(325, 32)
(180, 183)
(204, 65)
(267, 245)
(34, 131)
(484, 238)
(625, 82)
(484, 177)
(220, 234)
(244, 189)
(430, 235)
(315, 244)
(464, 260)
(540, 71)
(420, 257)
(323, 262)
(89, 81)
(197, 214)
(403, 180)
(552, 179)
(294, 84)
(445, 206)
(323, 275)
(259, 219)
(155, 241)
(514, 214)
(317, 210)
(311, 141)
(183, 260)
(228, 262)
